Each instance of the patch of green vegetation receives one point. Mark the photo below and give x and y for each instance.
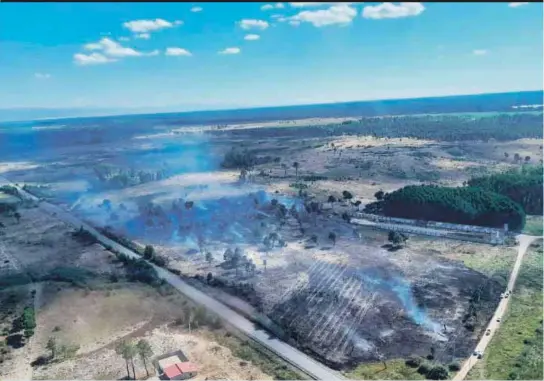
(515, 352)
(461, 205)
(395, 370)
(523, 186)
(496, 266)
(268, 364)
(533, 225)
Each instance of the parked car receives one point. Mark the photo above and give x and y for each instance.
(488, 332)
(498, 320)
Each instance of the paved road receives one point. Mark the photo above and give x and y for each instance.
(524, 242)
(298, 359)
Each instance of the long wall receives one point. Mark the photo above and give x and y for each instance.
(433, 228)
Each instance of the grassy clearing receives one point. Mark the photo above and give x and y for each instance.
(247, 352)
(533, 225)
(396, 370)
(515, 352)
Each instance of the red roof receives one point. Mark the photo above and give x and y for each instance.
(180, 368)
(186, 367)
(172, 371)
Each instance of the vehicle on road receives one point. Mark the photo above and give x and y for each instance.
(498, 320)
(488, 332)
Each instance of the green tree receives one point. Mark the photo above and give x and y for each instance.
(52, 347)
(284, 167)
(438, 372)
(332, 237)
(145, 352)
(296, 165)
(396, 238)
(379, 195)
(149, 252)
(227, 257)
(127, 351)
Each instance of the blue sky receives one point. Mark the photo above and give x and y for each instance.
(199, 55)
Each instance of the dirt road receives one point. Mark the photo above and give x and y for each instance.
(524, 242)
(293, 356)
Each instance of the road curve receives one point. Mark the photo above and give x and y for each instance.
(524, 242)
(292, 355)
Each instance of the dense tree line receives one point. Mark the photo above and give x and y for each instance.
(523, 186)
(501, 127)
(462, 205)
(244, 159)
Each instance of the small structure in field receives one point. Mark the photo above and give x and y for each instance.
(176, 367)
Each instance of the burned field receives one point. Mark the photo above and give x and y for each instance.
(271, 237)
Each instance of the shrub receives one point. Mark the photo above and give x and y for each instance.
(423, 369)
(347, 195)
(414, 362)
(454, 366)
(438, 372)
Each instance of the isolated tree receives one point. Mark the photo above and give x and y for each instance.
(331, 199)
(145, 352)
(379, 195)
(506, 155)
(17, 216)
(332, 237)
(126, 351)
(284, 167)
(243, 175)
(527, 159)
(201, 243)
(396, 238)
(313, 238)
(267, 243)
(517, 158)
(209, 278)
(52, 347)
(347, 195)
(296, 165)
(209, 257)
(228, 255)
(149, 252)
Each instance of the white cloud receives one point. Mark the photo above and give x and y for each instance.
(177, 52)
(515, 5)
(251, 37)
(479, 52)
(308, 5)
(113, 49)
(276, 16)
(42, 75)
(392, 11)
(267, 7)
(124, 39)
(230, 51)
(91, 59)
(196, 9)
(146, 26)
(341, 14)
(251, 23)
(143, 36)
